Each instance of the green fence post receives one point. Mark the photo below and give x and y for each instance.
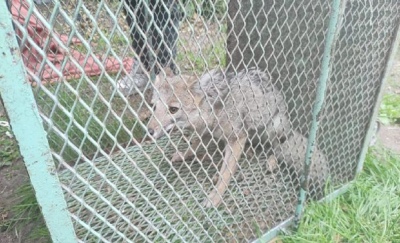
(26, 123)
(333, 30)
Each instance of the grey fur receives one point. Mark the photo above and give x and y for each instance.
(250, 96)
(234, 108)
(291, 155)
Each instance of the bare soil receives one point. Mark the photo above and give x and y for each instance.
(11, 177)
(389, 137)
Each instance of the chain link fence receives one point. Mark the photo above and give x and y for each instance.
(126, 90)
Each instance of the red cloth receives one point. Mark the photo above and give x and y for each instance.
(54, 53)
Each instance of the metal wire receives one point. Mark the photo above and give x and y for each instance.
(218, 64)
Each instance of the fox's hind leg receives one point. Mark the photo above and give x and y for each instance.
(233, 151)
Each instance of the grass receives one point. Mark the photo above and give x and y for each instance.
(26, 211)
(390, 109)
(8, 151)
(73, 120)
(207, 58)
(368, 212)
(73, 116)
(209, 10)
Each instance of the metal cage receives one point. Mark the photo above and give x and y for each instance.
(79, 81)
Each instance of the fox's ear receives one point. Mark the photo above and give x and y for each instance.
(158, 80)
(195, 90)
(194, 87)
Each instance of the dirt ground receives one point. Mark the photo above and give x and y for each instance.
(11, 178)
(389, 136)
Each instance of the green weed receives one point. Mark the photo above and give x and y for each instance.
(208, 9)
(368, 212)
(390, 109)
(207, 57)
(84, 121)
(27, 211)
(8, 146)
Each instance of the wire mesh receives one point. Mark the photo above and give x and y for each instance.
(358, 67)
(233, 93)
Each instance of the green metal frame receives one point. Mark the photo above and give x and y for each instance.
(274, 232)
(337, 12)
(338, 8)
(26, 122)
(385, 75)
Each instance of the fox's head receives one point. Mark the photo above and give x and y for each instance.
(175, 104)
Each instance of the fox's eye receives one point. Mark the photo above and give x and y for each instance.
(153, 106)
(173, 110)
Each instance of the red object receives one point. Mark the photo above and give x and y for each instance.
(35, 51)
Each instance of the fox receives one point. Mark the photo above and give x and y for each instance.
(235, 108)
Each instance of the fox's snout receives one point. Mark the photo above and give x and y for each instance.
(173, 107)
(156, 130)
(155, 133)
(150, 131)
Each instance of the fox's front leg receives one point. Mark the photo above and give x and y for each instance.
(192, 150)
(233, 151)
(182, 156)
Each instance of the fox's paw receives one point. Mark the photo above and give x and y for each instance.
(212, 200)
(178, 157)
(215, 178)
(205, 157)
